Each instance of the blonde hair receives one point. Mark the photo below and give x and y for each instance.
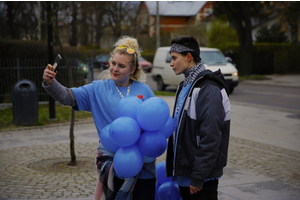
(132, 43)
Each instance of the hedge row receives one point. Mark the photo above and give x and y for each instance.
(272, 58)
(268, 58)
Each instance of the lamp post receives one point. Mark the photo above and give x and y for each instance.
(52, 114)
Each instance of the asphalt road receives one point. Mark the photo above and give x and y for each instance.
(277, 97)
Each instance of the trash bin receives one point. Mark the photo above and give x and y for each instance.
(25, 103)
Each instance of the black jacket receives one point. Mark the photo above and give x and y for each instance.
(202, 140)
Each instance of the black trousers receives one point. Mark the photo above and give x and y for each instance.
(208, 192)
(144, 188)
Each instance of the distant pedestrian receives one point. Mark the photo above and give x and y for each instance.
(229, 54)
(197, 150)
(101, 98)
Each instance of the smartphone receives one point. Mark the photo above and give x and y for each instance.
(56, 62)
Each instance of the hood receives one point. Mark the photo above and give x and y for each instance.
(216, 76)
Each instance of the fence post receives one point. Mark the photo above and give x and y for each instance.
(18, 70)
(92, 70)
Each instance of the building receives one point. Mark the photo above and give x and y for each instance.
(173, 15)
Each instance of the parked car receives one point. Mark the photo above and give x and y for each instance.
(84, 68)
(101, 62)
(146, 65)
(212, 58)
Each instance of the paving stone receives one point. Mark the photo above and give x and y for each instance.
(27, 171)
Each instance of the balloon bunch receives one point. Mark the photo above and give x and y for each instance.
(139, 134)
(166, 188)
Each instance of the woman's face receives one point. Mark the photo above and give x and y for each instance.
(120, 69)
(179, 63)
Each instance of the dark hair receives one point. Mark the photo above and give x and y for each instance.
(190, 42)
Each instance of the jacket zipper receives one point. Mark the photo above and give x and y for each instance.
(180, 119)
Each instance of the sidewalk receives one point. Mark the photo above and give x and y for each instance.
(282, 80)
(263, 163)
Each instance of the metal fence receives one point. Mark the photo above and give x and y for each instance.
(14, 70)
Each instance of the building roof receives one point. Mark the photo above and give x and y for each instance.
(175, 8)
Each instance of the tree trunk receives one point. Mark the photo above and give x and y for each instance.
(10, 20)
(72, 140)
(244, 32)
(246, 58)
(246, 46)
(84, 30)
(73, 41)
(71, 134)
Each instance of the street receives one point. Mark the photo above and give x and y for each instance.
(276, 97)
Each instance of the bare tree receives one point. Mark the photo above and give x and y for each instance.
(99, 10)
(74, 33)
(119, 15)
(18, 19)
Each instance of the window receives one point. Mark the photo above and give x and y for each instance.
(212, 57)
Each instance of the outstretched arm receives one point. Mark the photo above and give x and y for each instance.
(59, 92)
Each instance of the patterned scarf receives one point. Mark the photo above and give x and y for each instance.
(192, 73)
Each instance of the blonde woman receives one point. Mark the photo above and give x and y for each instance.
(123, 78)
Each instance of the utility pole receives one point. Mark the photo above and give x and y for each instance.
(52, 114)
(157, 25)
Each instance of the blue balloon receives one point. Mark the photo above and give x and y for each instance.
(128, 107)
(156, 191)
(124, 131)
(106, 140)
(168, 128)
(169, 190)
(153, 113)
(161, 173)
(152, 144)
(148, 159)
(128, 161)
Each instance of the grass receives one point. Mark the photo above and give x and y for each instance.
(63, 114)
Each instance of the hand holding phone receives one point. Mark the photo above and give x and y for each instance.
(56, 62)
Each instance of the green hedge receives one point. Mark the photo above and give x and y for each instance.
(271, 58)
(148, 56)
(268, 58)
(38, 50)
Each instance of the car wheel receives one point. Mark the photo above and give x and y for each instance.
(160, 84)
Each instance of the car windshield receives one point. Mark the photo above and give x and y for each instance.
(212, 57)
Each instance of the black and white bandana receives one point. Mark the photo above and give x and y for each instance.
(179, 48)
(192, 73)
